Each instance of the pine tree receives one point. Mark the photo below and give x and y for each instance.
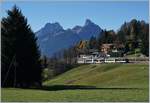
(20, 55)
(145, 40)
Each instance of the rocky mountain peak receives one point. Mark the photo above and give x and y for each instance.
(88, 22)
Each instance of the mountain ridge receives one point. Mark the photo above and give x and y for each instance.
(52, 37)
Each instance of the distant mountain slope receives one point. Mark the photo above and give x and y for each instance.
(105, 75)
(54, 44)
(52, 37)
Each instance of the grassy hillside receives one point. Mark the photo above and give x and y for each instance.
(105, 75)
(95, 82)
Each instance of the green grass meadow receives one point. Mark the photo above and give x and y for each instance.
(92, 83)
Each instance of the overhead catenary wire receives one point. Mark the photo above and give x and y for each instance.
(9, 69)
(15, 74)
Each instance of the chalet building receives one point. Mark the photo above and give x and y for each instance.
(107, 48)
(107, 55)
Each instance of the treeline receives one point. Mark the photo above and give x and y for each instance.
(133, 34)
(59, 63)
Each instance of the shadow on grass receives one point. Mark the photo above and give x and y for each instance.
(78, 87)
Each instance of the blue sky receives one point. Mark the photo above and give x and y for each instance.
(108, 15)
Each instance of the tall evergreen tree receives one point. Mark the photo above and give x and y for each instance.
(145, 40)
(21, 65)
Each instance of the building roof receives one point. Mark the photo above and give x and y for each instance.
(106, 45)
(116, 45)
